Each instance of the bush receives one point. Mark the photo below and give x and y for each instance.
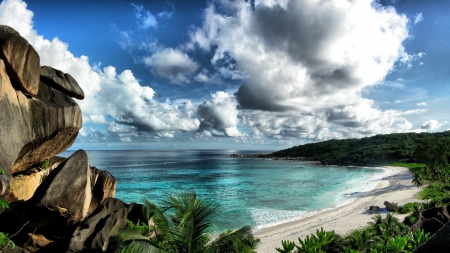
(44, 165)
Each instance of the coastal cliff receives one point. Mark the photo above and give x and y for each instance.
(50, 197)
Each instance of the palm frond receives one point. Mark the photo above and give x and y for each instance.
(232, 241)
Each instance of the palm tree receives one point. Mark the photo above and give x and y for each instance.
(181, 226)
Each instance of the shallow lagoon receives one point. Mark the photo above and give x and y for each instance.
(258, 192)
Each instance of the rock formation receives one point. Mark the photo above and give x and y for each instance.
(438, 243)
(50, 197)
(431, 220)
(36, 121)
(436, 222)
(391, 207)
(94, 233)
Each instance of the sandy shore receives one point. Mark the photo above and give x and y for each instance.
(396, 187)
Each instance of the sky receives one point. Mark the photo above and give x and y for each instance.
(257, 74)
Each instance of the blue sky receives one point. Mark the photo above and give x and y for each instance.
(263, 74)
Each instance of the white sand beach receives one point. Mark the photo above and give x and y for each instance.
(396, 187)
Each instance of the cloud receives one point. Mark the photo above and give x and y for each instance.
(220, 113)
(171, 64)
(145, 18)
(398, 101)
(117, 101)
(418, 18)
(422, 104)
(430, 125)
(305, 63)
(131, 104)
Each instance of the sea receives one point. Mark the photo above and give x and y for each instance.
(250, 191)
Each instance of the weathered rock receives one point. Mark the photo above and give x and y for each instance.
(391, 207)
(94, 233)
(24, 185)
(439, 213)
(21, 60)
(68, 188)
(16, 249)
(104, 186)
(35, 128)
(438, 243)
(374, 209)
(37, 242)
(431, 220)
(61, 81)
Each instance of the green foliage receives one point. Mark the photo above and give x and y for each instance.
(434, 153)
(5, 241)
(413, 167)
(182, 225)
(44, 165)
(322, 241)
(142, 229)
(385, 149)
(3, 205)
(410, 207)
(288, 247)
(383, 235)
(2, 172)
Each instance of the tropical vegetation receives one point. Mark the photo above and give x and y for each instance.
(383, 148)
(182, 224)
(431, 168)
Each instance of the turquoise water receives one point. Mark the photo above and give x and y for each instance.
(250, 191)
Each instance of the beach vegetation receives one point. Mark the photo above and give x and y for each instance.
(382, 236)
(182, 224)
(322, 241)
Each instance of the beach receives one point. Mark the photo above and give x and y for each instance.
(395, 187)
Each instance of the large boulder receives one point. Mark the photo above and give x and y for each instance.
(61, 81)
(438, 243)
(391, 207)
(68, 188)
(431, 220)
(103, 187)
(60, 203)
(93, 234)
(33, 129)
(24, 185)
(21, 60)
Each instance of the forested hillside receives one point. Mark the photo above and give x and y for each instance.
(378, 149)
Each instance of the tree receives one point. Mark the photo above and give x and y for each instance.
(181, 225)
(434, 153)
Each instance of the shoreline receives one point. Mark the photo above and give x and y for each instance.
(394, 187)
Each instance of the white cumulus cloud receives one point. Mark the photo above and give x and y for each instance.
(129, 106)
(171, 64)
(430, 125)
(306, 63)
(219, 113)
(422, 104)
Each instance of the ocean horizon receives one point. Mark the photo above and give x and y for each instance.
(250, 191)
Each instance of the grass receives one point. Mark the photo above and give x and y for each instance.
(413, 167)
